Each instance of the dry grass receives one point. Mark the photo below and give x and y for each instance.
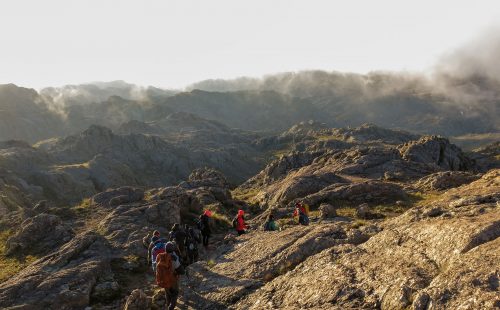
(221, 220)
(247, 196)
(421, 199)
(9, 266)
(346, 211)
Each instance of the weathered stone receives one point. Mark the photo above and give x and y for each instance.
(105, 291)
(137, 300)
(118, 196)
(327, 211)
(39, 234)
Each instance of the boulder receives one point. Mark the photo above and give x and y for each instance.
(436, 151)
(367, 191)
(122, 195)
(105, 291)
(158, 301)
(137, 300)
(445, 180)
(363, 211)
(39, 234)
(62, 280)
(207, 177)
(327, 211)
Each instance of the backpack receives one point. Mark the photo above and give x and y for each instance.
(190, 243)
(303, 219)
(200, 224)
(267, 226)
(157, 250)
(165, 272)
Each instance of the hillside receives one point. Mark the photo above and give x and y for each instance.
(338, 100)
(398, 220)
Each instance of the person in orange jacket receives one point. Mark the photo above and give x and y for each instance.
(239, 223)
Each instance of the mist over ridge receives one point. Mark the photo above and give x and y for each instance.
(461, 95)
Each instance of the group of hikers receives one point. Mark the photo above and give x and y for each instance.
(169, 256)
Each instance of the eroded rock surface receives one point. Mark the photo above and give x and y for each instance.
(449, 261)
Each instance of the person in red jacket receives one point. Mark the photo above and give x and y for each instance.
(239, 223)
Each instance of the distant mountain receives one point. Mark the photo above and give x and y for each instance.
(95, 92)
(24, 115)
(452, 107)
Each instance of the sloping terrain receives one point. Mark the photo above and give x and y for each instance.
(444, 254)
(414, 220)
(106, 256)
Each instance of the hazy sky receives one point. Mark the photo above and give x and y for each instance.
(174, 43)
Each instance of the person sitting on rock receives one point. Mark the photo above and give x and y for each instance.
(151, 243)
(302, 213)
(178, 235)
(168, 271)
(204, 226)
(270, 224)
(239, 223)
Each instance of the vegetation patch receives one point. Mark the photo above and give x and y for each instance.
(9, 266)
(358, 223)
(422, 199)
(245, 195)
(346, 211)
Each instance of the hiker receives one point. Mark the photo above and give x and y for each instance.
(168, 270)
(239, 223)
(158, 248)
(302, 213)
(192, 241)
(270, 224)
(204, 226)
(151, 244)
(178, 235)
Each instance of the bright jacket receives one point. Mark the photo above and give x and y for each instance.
(299, 210)
(240, 223)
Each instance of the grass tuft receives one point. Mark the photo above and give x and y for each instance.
(9, 266)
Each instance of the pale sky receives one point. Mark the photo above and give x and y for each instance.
(171, 44)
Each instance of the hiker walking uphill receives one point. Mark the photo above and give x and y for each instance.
(192, 241)
(178, 235)
(204, 226)
(239, 223)
(302, 212)
(149, 244)
(168, 269)
(158, 248)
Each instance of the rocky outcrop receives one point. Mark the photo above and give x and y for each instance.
(327, 211)
(91, 268)
(444, 261)
(487, 157)
(61, 280)
(137, 301)
(39, 234)
(437, 151)
(445, 180)
(115, 197)
(322, 175)
(206, 177)
(368, 191)
(263, 256)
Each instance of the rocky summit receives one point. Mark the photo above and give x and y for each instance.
(397, 220)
